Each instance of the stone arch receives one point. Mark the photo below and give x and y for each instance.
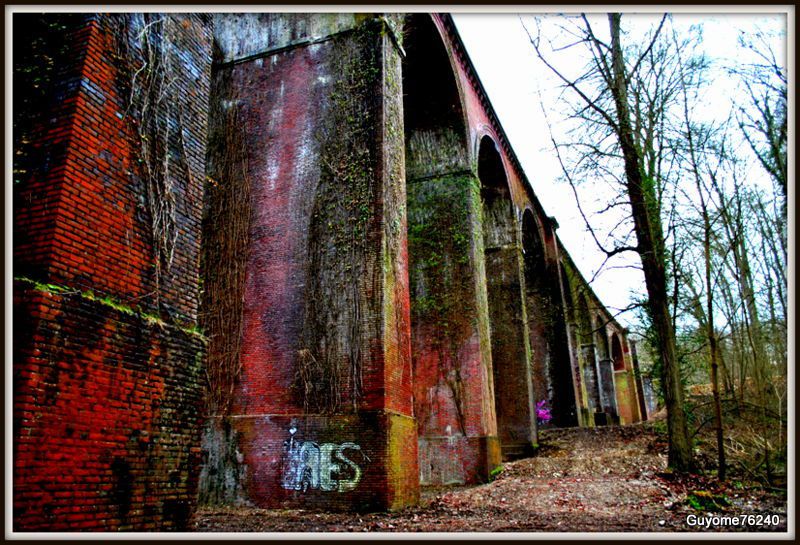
(499, 225)
(434, 120)
(587, 345)
(604, 369)
(616, 353)
(532, 249)
(507, 314)
(625, 381)
(450, 347)
(550, 358)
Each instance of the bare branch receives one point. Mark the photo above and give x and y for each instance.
(590, 102)
(646, 51)
(608, 253)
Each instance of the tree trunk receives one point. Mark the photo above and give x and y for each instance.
(711, 333)
(712, 336)
(649, 233)
(754, 335)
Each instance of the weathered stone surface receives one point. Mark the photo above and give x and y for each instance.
(241, 35)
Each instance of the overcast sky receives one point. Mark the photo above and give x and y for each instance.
(515, 79)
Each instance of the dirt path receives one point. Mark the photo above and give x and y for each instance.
(582, 480)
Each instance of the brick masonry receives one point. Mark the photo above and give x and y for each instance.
(106, 424)
(451, 350)
(453, 392)
(107, 362)
(342, 386)
(325, 347)
(552, 375)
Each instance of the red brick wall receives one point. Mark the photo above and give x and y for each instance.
(107, 364)
(453, 396)
(105, 421)
(325, 327)
(46, 92)
(81, 219)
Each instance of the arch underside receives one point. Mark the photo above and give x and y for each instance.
(514, 402)
(550, 357)
(451, 357)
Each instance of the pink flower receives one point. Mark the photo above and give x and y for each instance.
(542, 412)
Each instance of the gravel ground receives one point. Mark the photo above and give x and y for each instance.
(582, 480)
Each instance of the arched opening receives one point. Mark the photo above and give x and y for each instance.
(538, 312)
(450, 352)
(550, 361)
(507, 314)
(435, 131)
(616, 353)
(625, 383)
(589, 357)
(533, 250)
(605, 371)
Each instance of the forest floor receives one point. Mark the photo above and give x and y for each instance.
(610, 479)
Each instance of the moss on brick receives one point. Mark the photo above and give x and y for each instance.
(345, 231)
(107, 383)
(441, 230)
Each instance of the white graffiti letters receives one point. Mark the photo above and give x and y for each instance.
(323, 467)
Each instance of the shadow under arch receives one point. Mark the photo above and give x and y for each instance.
(450, 351)
(616, 353)
(589, 356)
(516, 421)
(433, 116)
(574, 345)
(550, 358)
(605, 371)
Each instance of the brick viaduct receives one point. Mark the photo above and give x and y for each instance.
(278, 259)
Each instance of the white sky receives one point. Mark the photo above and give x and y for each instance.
(515, 78)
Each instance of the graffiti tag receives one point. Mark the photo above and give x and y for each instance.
(323, 467)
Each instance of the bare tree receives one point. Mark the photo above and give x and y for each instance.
(695, 162)
(626, 92)
(746, 287)
(764, 120)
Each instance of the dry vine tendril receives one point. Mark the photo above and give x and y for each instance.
(148, 70)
